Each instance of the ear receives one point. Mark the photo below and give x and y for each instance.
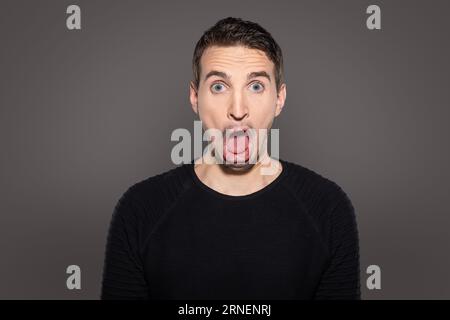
(193, 97)
(281, 98)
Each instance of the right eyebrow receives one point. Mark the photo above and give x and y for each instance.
(216, 73)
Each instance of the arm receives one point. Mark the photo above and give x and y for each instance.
(341, 279)
(123, 274)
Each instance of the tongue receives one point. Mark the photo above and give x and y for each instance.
(237, 144)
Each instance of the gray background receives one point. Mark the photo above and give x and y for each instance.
(85, 114)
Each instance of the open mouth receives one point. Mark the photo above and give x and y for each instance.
(236, 146)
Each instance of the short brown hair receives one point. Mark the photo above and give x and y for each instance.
(235, 31)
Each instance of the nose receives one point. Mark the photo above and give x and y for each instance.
(238, 109)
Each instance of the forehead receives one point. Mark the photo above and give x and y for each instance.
(239, 57)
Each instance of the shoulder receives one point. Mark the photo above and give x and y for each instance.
(312, 187)
(325, 201)
(149, 197)
(162, 186)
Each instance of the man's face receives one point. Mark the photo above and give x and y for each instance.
(236, 90)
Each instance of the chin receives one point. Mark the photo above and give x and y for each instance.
(238, 167)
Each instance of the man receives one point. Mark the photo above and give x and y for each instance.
(222, 229)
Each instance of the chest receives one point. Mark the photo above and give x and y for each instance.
(230, 252)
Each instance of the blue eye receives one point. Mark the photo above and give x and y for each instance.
(217, 86)
(258, 86)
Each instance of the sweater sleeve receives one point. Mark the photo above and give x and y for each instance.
(341, 278)
(123, 275)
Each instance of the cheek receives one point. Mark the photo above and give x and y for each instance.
(209, 112)
(266, 100)
(263, 111)
(209, 101)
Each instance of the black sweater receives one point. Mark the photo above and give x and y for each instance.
(173, 237)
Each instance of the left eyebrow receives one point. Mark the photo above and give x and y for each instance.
(255, 74)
